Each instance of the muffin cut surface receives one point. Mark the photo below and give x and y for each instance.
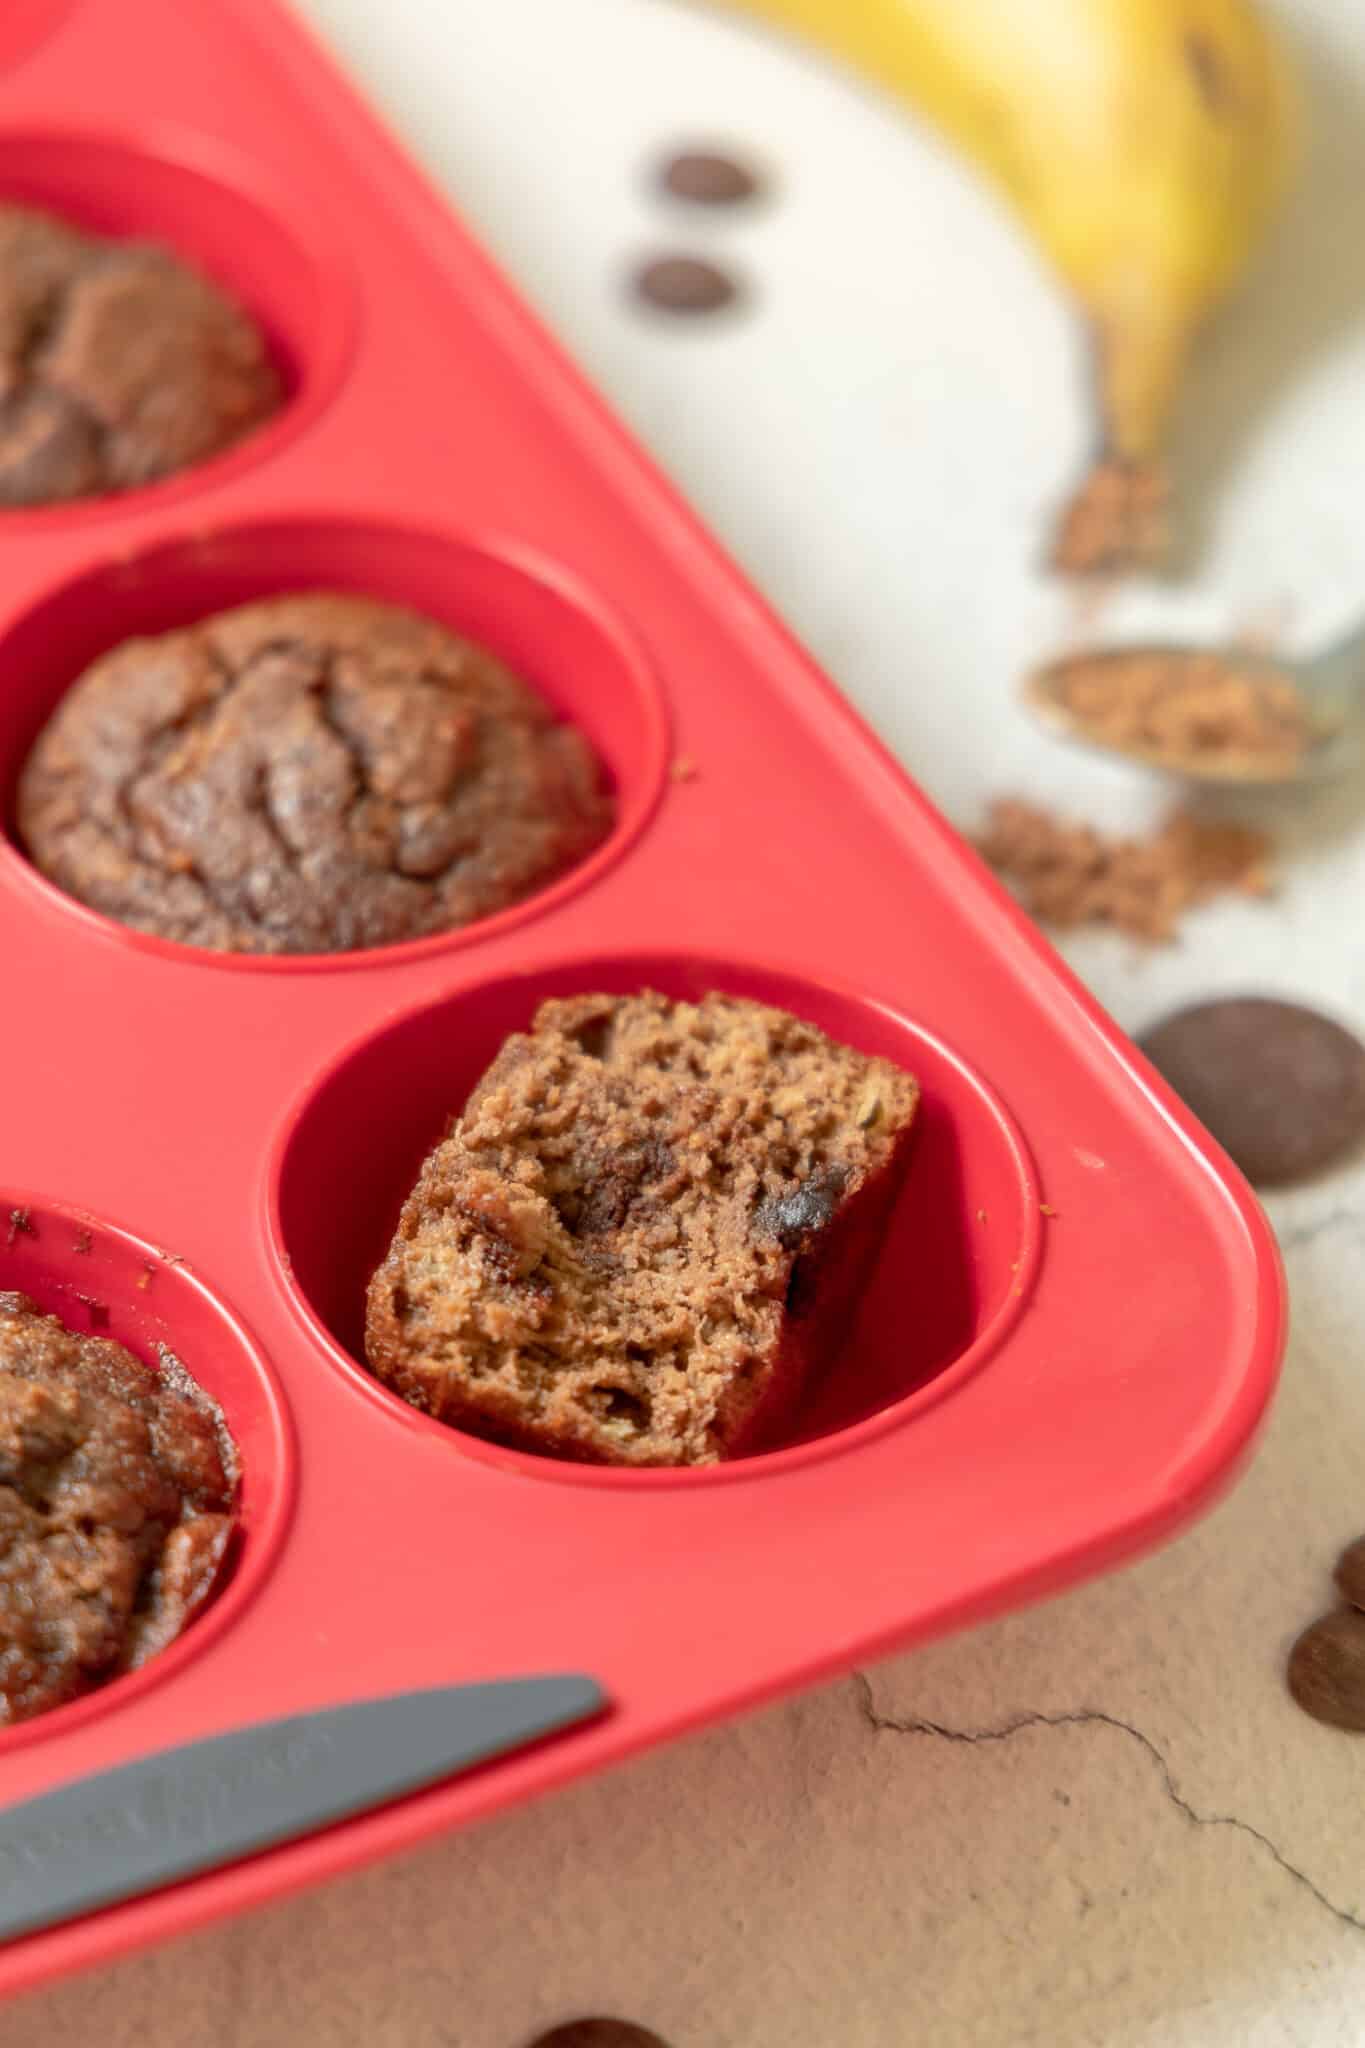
(651, 1218)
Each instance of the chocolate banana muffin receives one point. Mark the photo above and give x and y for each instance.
(309, 774)
(117, 1486)
(651, 1221)
(118, 364)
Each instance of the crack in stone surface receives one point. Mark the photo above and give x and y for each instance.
(1092, 1717)
(1318, 1226)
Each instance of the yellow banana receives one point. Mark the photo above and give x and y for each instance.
(1144, 142)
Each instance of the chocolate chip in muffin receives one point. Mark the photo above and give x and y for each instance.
(309, 774)
(119, 364)
(117, 1490)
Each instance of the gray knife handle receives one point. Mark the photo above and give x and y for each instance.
(180, 1811)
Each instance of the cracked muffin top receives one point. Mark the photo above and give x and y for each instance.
(117, 1487)
(119, 365)
(310, 774)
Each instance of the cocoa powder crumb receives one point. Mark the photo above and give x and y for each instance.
(1069, 874)
(1191, 708)
(19, 1221)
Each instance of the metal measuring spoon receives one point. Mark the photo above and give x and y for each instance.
(1317, 730)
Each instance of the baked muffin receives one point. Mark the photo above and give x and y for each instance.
(118, 364)
(309, 774)
(651, 1220)
(116, 1500)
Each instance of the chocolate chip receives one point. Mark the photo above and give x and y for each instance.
(803, 1211)
(598, 2034)
(1281, 1087)
(1327, 1670)
(1350, 1573)
(684, 284)
(707, 178)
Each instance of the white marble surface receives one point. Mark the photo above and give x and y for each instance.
(1099, 1824)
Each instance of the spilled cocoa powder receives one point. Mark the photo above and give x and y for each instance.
(1069, 874)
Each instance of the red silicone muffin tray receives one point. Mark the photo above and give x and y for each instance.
(1076, 1321)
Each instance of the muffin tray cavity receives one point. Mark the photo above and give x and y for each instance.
(1077, 1314)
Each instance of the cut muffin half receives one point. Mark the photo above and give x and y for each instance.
(649, 1222)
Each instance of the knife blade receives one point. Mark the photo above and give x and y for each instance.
(180, 1811)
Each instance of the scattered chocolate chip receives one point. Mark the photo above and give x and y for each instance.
(599, 2034)
(19, 1221)
(1327, 1670)
(684, 284)
(707, 178)
(1281, 1087)
(1350, 1573)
